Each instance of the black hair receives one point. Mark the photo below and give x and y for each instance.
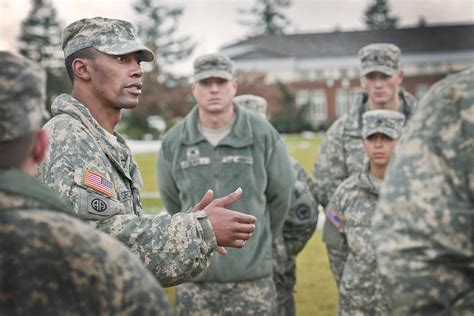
(85, 53)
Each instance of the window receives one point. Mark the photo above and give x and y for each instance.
(317, 102)
(420, 90)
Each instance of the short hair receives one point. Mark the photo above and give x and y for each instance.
(16, 150)
(86, 53)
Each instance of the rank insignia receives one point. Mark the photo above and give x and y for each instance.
(98, 183)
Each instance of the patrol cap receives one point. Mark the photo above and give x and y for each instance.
(386, 122)
(253, 103)
(380, 57)
(109, 36)
(22, 96)
(213, 65)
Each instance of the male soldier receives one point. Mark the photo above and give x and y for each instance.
(50, 262)
(221, 146)
(351, 210)
(423, 228)
(90, 164)
(299, 224)
(342, 153)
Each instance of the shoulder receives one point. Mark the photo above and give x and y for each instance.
(348, 187)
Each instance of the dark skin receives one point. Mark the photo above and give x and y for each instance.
(106, 84)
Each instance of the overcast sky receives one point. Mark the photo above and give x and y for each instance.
(214, 23)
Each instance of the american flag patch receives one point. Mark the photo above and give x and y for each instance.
(98, 183)
(334, 217)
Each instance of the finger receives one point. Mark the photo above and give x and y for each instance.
(228, 199)
(221, 250)
(245, 228)
(246, 219)
(239, 243)
(206, 199)
(242, 236)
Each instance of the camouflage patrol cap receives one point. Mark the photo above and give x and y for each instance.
(213, 65)
(386, 122)
(253, 103)
(22, 96)
(109, 36)
(380, 57)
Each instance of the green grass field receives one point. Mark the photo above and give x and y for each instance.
(315, 288)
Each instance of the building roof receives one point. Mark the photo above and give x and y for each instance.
(418, 40)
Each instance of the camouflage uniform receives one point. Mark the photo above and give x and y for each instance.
(350, 212)
(423, 229)
(299, 225)
(50, 262)
(174, 248)
(342, 153)
(252, 156)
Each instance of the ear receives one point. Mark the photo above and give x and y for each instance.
(235, 86)
(81, 68)
(400, 75)
(40, 146)
(362, 82)
(193, 87)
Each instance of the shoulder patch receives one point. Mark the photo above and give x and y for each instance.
(334, 217)
(303, 211)
(98, 183)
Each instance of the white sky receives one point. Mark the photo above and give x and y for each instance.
(214, 23)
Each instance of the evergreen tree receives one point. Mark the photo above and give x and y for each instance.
(267, 17)
(40, 40)
(377, 16)
(157, 26)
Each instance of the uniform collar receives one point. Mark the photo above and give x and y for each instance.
(239, 136)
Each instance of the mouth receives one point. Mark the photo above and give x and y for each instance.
(134, 88)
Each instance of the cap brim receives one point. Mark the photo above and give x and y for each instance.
(393, 134)
(213, 74)
(127, 48)
(383, 69)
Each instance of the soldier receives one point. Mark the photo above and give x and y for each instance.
(423, 228)
(50, 262)
(90, 164)
(299, 225)
(351, 210)
(221, 146)
(342, 153)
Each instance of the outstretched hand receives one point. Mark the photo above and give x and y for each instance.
(232, 229)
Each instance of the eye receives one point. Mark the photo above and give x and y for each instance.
(121, 58)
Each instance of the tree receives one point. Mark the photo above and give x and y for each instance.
(157, 26)
(40, 40)
(268, 17)
(377, 16)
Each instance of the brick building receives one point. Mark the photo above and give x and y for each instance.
(321, 69)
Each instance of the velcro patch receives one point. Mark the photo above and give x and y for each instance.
(334, 217)
(98, 183)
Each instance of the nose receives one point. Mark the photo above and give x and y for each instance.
(137, 70)
(214, 87)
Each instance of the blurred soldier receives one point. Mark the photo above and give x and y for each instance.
(90, 164)
(351, 210)
(50, 262)
(299, 225)
(221, 146)
(342, 153)
(423, 228)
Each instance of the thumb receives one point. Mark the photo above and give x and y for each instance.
(206, 199)
(228, 199)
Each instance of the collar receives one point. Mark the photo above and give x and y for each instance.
(240, 134)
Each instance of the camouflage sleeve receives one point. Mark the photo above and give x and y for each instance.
(279, 187)
(334, 237)
(66, 267)
(169, 192)
(423, 227)
(174, 248)
(303, 216)
(329, 169)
